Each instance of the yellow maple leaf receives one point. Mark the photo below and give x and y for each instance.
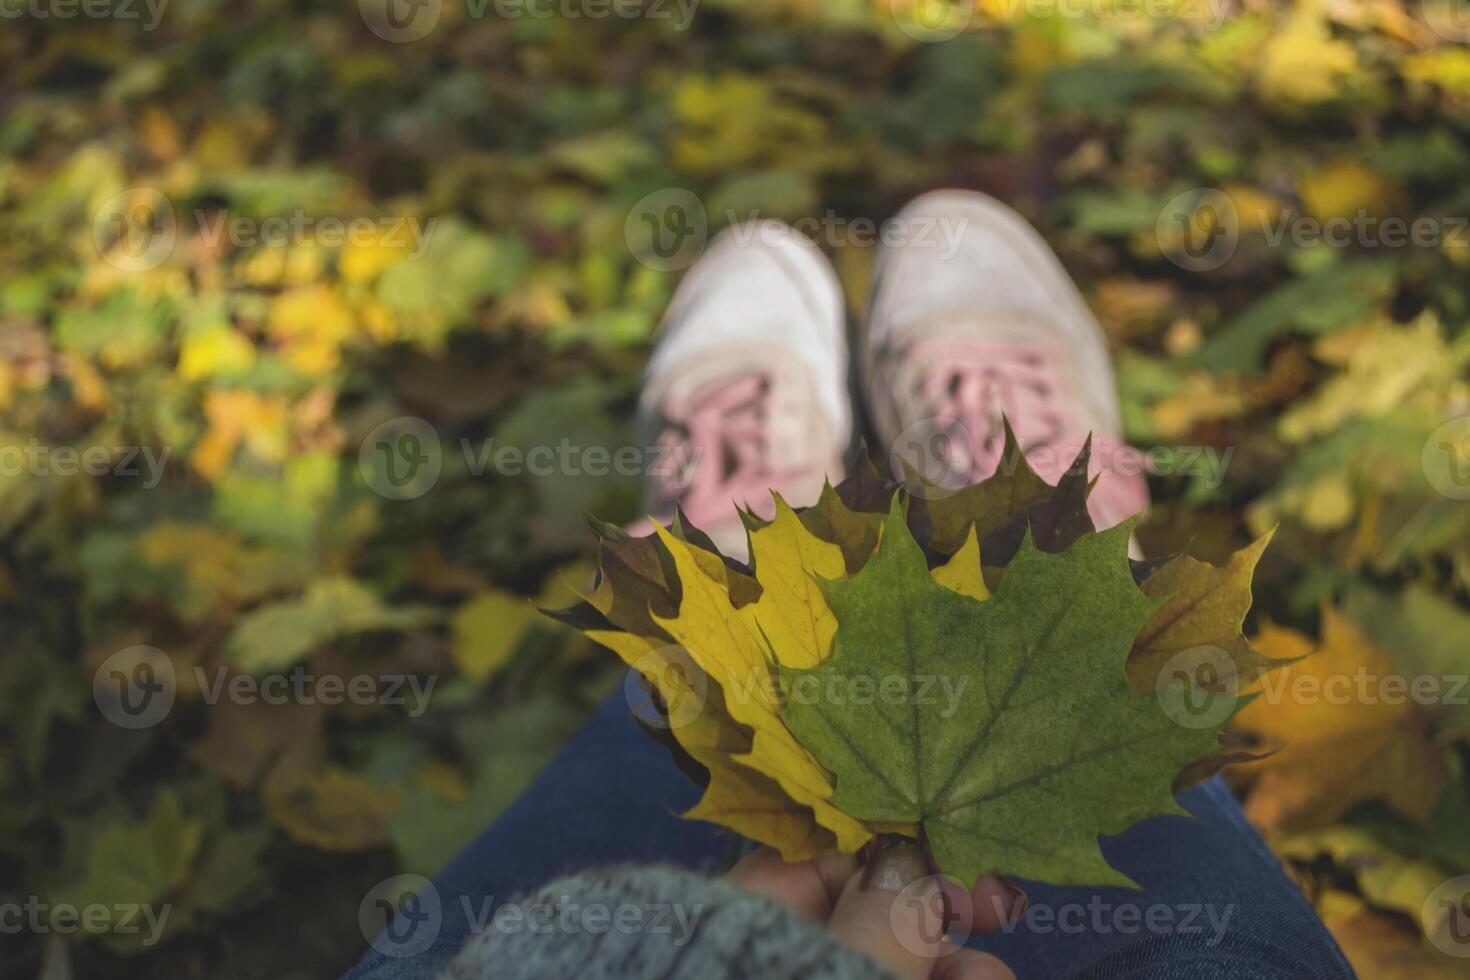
(220, 571)
(159, 133)
(89, 388)
(698, 722)
(962, 572)
(235, 415)
(212, 350)
(1203, 607)
(1387, 879)
(1342, 188)
(721, 642)
(487, 629)
(1037, 48)
(1448, 68)
(737, 796)
(753, 805)
(737, 118)
(1302, 62)
(1385, 365)
(223, 143)
(1256, 209)
(313, 323)
(361, 262)
(1381, 946)
(792, 613)
(1343, 736)
(1202, 398)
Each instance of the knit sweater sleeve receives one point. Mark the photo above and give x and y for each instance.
(635, 923)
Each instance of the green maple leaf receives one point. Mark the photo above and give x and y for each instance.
(1017, 740)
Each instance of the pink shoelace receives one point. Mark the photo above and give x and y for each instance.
(718, 432)
(971, 385)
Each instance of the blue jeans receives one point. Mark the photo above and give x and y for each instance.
(1214, 904)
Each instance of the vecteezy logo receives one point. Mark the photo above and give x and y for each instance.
(941, 911)
(1450, 19)
(135, 688)
(1446, 917)
(933, 457)
(136, 230)
(1199, 229)
(932, 20)
(1196, 687)
(1457, 919)
(401, 21)
(1446, 458)
(401, 916)
(667, 229)
(681, 684)
(401, 459)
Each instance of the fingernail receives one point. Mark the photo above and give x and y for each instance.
(894, 868)
(1018, 903)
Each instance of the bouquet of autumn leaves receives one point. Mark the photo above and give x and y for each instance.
(980, 670)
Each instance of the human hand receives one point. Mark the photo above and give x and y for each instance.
(895, 910)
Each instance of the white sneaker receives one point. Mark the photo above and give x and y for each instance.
(747, 388)
(960, 334)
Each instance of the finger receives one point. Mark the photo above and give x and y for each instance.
(994, 903)
(894, 911)
(808, 888)
(971, 964)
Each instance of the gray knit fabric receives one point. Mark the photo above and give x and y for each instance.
(646, 922)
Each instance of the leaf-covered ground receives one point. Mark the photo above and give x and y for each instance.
(226, 375)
